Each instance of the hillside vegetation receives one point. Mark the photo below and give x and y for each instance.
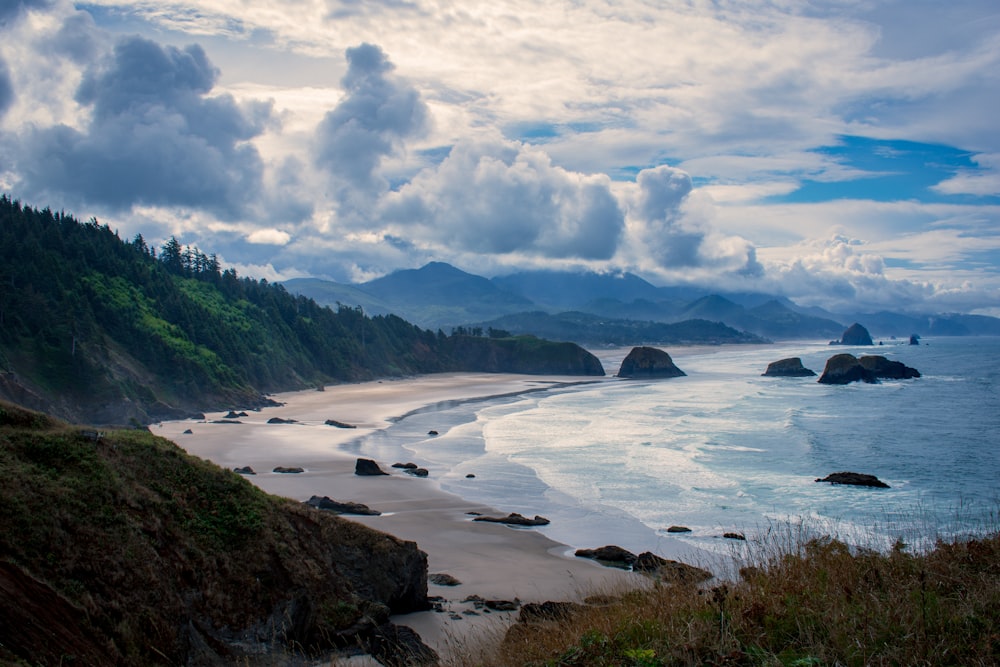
(119, 548)
(101, 330)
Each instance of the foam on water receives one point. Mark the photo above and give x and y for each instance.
(725, 449)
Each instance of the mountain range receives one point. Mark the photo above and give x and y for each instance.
(441, 296)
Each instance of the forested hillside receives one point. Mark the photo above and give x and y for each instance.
(97, 328)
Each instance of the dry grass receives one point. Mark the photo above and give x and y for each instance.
(818, 602)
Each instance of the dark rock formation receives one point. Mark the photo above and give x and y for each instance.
(515, 519)
(325, 503)
(188, 431)
(678, 529)
(854, 335)
(367, 467)
(670, 570)
(334, 422)
(735, 536)
(432, 432)
(245, 470)
(227, 421)
(536, 612)
(914, 339)
(846, 368)
(399, 646)
(279, 420)
(406, 466)
(470, 476)
(288, 470)
(417, 472)
(611, 555)
(442, 579)
(854, 479)
(649, 362)
(887, 369)
(791, 367)
(232, 414)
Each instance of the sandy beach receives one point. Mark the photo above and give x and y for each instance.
(492, 561)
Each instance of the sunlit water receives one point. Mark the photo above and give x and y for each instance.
(725, 449)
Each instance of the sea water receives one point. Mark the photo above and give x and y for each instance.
(725, 449)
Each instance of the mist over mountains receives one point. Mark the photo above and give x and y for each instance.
(593, 308)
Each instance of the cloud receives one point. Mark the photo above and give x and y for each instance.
(154, 137)
(6, 88)
(11, 10)
(269, 237)
(377, 113)
(494, 196)
(985, 183)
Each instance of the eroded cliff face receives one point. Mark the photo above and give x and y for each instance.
(120, 547)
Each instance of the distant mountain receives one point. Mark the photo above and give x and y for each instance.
(333, 294)
(562, 290)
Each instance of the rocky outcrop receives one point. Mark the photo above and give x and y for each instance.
(337, 424)
(647, 563)
(791, 367)
(244, 470)
(325, 503)
(611, 555)
(521, 354)
(854, 335)
(649, 362)
(368, 468)
(914, 339)
(855, 479)
(515, 519)
(846, 368)
(288, 470)
(280, 420)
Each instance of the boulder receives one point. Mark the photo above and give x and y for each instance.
(287, 470)
(432, 432)
(245, 470)
(611, 555)
(367, 467)
(334, 422)
(735, 536)
(678, 529)
(417, 472)
(188, 431)
(515, 519)
(442, 579)
(854, 335)
(232, 414)
(648, 362)
(844, 369)
(407, 466)
(887, 369)
(855, 479)
(791, 367)
(279, 420)
(670, 570)
(325, 503)
(392, 644)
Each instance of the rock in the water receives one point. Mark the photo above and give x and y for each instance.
(887, 369)
(245, 470)
(334, 422)
(735, 536)
(678, 529)
(470, 476)
(649, 362)
(288, 470)
(515, 519)
(855, 479)
(432, 432)
(418, 472)
(325, 503)
(612, 555)
(854, 335)
(407, 466)
(367, 467)
(279, 420)
(442, 579)
(232, 414)
(914, 339)
(670, 570)
(791, 367)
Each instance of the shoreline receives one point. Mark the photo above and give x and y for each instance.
(492, 561)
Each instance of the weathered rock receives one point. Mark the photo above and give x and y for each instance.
(735, 536)
(536, 612)
(417, 472)
(432, 433)
(670, 570)
(325, 503)
(844, 369)
(854, 335)
(367, 467)
(227, 421)
(232, 414)
(407, 466)
(470, 476)
(443, 579)
(334, 422)
(678, 529)
(515, 519)
(648, 362)
(791, 367)
(888, 369)
(288, 470)
(399, 646)
(188, 431)
(611, 555)
(855, 479)
(279, 420)
(914, 339)
(245, 470)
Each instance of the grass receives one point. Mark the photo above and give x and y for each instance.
(818, 602)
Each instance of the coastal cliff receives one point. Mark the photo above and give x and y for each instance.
(118, 548)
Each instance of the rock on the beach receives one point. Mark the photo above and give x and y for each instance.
(678, 529)
(735, 536)
(855, 479)
(432, 433)
(188, 432)
(669, 570)
(611, 554)
(245, 470)
(288, 470)
(443, 579)
(648, 362)
(279, 420)
(367, 467)
(515, 519)
(791, 367)
(232, 414)
(417, 472)
(325, 503)
(334, 422)
(392, 644)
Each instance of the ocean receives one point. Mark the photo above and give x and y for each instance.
(619, 461)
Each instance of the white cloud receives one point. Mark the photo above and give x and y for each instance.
(269, 237)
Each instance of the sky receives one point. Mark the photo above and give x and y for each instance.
(842, 153)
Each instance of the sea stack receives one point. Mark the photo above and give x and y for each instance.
(854, 335)
(788, 368)
(649, 362)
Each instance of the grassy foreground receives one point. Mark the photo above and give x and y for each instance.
(821, 603)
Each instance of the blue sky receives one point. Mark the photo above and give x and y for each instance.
(842, 153)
